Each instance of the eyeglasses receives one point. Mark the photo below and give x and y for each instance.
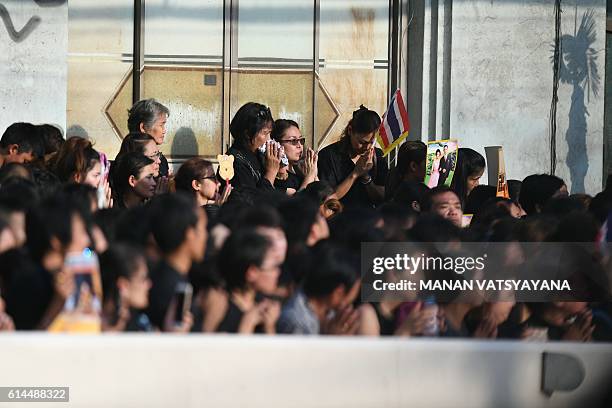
(209, 178)
(295, 142)
(155, 156)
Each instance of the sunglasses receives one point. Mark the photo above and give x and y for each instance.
(155, 156)
(295, 142)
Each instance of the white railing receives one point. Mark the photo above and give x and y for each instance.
(234, 371)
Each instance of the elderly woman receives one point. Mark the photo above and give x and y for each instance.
(149, 116)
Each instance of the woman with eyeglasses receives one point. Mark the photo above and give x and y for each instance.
(302, 168)
(353, 166)
(253, 171)
(196, 176)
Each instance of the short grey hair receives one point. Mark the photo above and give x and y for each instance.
(146, 112)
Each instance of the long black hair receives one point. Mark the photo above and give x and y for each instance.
(469, 163)
(364, 121)
(248, 121)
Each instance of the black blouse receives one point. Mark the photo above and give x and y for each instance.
(248, 173)
(335, 165)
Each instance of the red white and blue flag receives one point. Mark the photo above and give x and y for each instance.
(395, 125)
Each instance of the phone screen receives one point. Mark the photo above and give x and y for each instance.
(182, 298)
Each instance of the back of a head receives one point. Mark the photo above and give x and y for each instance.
(412, 151)
(354, 226)
(118, 261)
(514, 189)
(76, 157)
(335, 267)
(193, 169)
(51, 219)
(298, 214)
(318, 191)
(26, 136)
(562, 206)
(241, 250)
(601, 206)
(469, 163)
(434, 228)
(17, 194)
(17, 170)
(52, 138)
(409, 192)
(173, 215)
(576, 226)
(478, 197)
(145, 112)
(134, 142)
(260, 216)
(536, 190)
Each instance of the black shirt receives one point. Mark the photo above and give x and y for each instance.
(248, 173)
(335, 165)
(293, 181)
(164, 168)
(165, 280)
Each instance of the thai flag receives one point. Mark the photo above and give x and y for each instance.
(395, 125)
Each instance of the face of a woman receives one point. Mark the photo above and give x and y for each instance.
(266, 278)
(139, 285)
(474, 180)
(261, 137)
(145, 184)
(151, 150)
(209, 186)
(93, 176)
(438, 154)
(158, 130)
(80, 237)
(292, 143)
(362, 142)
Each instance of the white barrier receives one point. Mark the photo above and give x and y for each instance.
(234, 371)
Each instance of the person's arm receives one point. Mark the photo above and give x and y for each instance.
(362, 167)
(368, 322)
(376, 187)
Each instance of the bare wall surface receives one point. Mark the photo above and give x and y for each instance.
(502, 81)
(33, 40)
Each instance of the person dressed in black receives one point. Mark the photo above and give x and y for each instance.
(353, 166)
(302, 168)
(253, 172)
(446, 165)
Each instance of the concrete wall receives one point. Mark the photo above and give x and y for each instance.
(33, 41)
(501, 84)
(281, 371)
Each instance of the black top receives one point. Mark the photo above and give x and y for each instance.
(248, 173)
(164, 169)
(293, 181)
(387, 324)
(165, 280)
(231, 320)
(335, 165)
(139, 322)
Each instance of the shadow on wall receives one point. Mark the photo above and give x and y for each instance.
(77, 130)
(578, 67)
(184, 143)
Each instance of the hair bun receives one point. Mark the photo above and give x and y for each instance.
(361, 110)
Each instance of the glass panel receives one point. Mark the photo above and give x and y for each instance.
(183, 59)
(353, 54)
(99, 69)
(275, 60)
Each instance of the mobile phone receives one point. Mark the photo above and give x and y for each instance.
(104, 172)
(84, 269)
(182, 296)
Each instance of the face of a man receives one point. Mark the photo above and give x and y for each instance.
(448, 206)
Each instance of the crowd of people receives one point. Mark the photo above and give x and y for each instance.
(130, 245)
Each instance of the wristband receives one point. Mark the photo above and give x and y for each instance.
(366, 181)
